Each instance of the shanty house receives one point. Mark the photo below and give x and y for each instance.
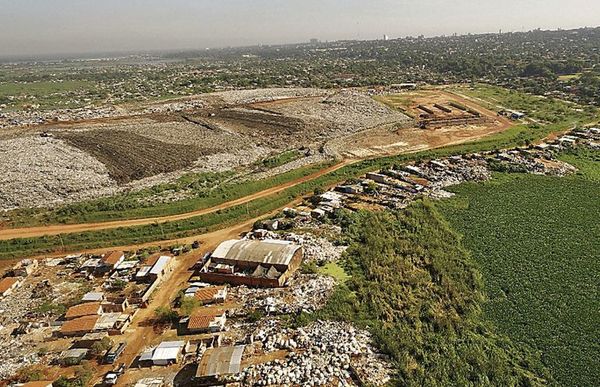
(113, 259)
(219, 362)
(79, 326)
(266, 263)
(167, 352)
(85, 309)
(205, 322)
(207, 295)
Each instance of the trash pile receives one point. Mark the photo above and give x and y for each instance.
(322, 353)
(305, 293)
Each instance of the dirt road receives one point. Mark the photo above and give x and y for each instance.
(32, 232)
(142, 333)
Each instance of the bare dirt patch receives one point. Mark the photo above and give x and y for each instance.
(129, 156)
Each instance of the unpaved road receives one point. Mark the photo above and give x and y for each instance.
(32, 232)
(39, 231)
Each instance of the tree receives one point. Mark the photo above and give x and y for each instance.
(101, 346)
(166, 315)
(188, 305)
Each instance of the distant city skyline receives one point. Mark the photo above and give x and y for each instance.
(36, 27)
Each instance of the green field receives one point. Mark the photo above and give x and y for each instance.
(419, 292)
(47, 94)
(537, 241)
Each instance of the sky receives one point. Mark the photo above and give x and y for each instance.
(41, 27)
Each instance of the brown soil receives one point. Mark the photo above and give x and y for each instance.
(129, 156)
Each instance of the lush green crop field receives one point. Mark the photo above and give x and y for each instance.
(537, 241)
(419, 292)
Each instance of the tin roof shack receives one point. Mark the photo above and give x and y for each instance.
(266, 263)
(166, 353)
(162, 267)
(206, 322)
(93, 297)
(217, 363)
(152, 273)
(72, 357)
(79, 326)
(7, 285)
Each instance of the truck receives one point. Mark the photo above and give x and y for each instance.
(110, 379)
(114, 353)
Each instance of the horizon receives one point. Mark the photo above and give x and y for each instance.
(100, 55)
(32, 28)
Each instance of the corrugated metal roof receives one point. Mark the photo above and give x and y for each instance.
(160, 265)
(220, 361)
(167, 350)
(269, 251)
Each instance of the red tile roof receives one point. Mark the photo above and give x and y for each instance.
(86, 309)
(112, 257)
(7, 283)
(202, 320)
(81, 324)
(207, 294)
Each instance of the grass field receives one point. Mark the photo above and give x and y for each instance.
(45, 93)
(547, 110)
(334, 270)
(537, 242)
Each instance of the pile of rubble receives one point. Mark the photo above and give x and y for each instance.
(236, 97)
(345, 112)
(39, 172)
(305, 293)
(175, 107)
(320, 354)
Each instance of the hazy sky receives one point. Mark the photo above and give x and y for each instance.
(69, 26)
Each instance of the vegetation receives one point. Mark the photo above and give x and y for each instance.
(281, 159)
(416, 288)
(82, 378)
(31, 373)
(535, 238)
(204, 190)
(99, 347)
(166, 315)
(518, 135)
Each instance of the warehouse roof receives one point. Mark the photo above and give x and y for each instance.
(273, 252)
(220, 361)
(86, 309)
